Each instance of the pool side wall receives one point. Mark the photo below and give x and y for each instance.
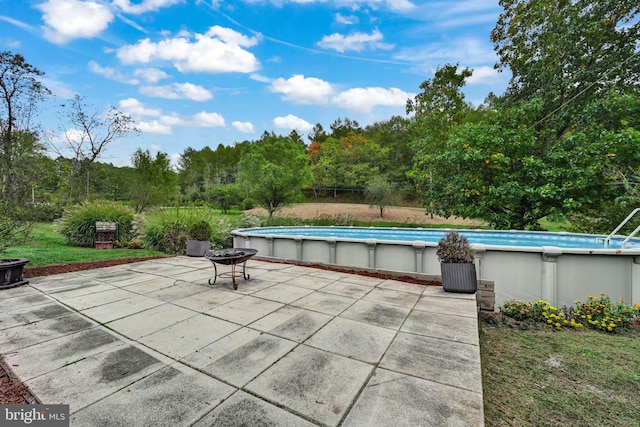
(557, 275)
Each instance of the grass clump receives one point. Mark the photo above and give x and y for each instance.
(78, 223)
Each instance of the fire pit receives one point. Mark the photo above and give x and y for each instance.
(11, 272)
(232, 257)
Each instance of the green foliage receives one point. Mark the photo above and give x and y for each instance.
(14, 229)
(200, 230)
(167, 230)
(454, 248)
(224, 196)
(247, 203)
(598, 313)
(78, 223)
(273, 171)
(381, 193)
(153, 180)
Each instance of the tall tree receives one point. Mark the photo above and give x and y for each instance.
(87, 134)
(153, 179)
(274, 170)
(20, 90)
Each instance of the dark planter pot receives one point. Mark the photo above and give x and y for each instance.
(11, 272)
(459, 277)
(197, 247)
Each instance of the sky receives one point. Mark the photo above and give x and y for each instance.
(196, 73)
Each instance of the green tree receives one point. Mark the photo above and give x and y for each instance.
(274, 170)
(20, 91)
(224, 196)
(381, 193)
(153, 179)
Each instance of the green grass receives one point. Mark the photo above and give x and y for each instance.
(48, 247)
(566, 378)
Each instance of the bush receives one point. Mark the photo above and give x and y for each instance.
(78, 223)
(168, 230)
(200, 230)
(14, 229)
(247, 204)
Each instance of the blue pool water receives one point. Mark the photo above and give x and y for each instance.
(487, 237)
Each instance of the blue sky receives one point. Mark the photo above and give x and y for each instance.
(195, 73)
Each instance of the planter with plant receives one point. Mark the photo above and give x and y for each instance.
(456, 263)
(199, 235)
(11, 270)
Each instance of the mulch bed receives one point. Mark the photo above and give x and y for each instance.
(48, 270)
(12, 391)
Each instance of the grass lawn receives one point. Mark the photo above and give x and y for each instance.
(560, 378)
(48, 248)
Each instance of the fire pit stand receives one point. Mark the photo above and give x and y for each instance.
(232, 257)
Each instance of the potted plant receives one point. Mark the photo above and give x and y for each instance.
(456, 264)
(11, 270)
(199, 235)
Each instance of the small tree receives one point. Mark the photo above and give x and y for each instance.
(274, 170)
(381, 193)
(153, 180)
(224, 196)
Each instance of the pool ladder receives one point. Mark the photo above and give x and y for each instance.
(627, 219)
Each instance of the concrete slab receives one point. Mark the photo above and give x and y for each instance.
(283, 293)
(391, 296)
(86, 287)
(402, 286)
(311, 281)
(352, 339)
(361, 280)
(292, 323)
(454, 306)
(153, 284)
(149, 321)
(27, 300)
(240, 356)
(278, 276)
(96, 299)
(204, 301)
(244, 410)
(347, 289)
(50, 355)
(393, 399)
(121, 308)
(12, 339)
(383, 315)
(245, 287)
(179, 290)
(443, 361)
(18, 291)
(93, 378)
(23, 316)
(244, 310)
(445, 326)
(172, 396)
(324, 303)
(185, 337)
(314, 383)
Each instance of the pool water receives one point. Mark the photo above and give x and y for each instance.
(487, 237)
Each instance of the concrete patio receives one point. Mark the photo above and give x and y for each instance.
(152, 343)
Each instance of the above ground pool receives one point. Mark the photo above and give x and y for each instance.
(525, 265)
(486, 237)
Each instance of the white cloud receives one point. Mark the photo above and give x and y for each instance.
(66, 20)
(207, 120)
(154, 126)
(152, 75)
(219, 50)
(244, 127)
(365, 99)
(137, 108)
(178, 91)
(486, 75)
(396, 5)
(292, 122)
(303, 90)
(474, 51)
(111, 73)
(346, 20)
(355, 41)
(144, 6)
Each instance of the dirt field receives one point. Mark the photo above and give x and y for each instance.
(364, 213)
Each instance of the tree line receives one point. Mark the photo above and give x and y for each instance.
(562, 141)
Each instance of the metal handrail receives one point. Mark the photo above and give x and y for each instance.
(606, 241)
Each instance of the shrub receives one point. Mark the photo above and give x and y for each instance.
(168, 230)
(247, 204)
(200, 230)
(454, 248)
(14, 229)
(78, 223)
